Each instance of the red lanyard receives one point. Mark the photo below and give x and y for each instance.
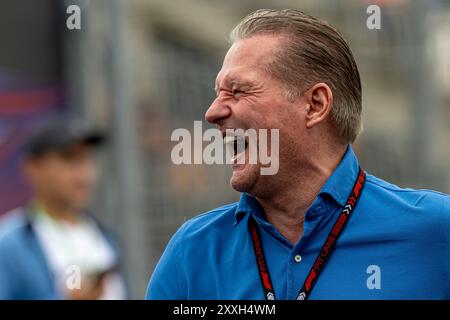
(324, 254)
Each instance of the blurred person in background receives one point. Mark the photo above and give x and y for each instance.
(53, 248)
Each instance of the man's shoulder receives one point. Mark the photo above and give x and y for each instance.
(13, 235)
(209, 222)
(418, 195)
(12, 224)
(431, 204)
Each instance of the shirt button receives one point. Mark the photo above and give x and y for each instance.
(298, 258)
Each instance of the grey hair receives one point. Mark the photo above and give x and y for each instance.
(312, 51)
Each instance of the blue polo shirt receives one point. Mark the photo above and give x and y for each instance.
(396, 246)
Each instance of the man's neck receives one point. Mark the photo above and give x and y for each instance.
(286, 209)
(57, 212)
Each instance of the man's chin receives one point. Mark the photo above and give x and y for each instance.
(78, 205)
(244, 179)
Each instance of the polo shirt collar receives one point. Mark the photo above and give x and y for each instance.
(338, 186)
(341, 182)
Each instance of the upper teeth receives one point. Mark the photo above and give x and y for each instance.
(229, 139)
(232, 138)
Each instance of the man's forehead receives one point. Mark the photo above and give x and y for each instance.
(254, 49)
(237, 76)
(246, 58)
(73, 151)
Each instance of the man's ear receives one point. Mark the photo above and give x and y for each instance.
(319, 103)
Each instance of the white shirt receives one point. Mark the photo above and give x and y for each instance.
(78, 245)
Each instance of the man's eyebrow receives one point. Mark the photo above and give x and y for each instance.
(237, 82)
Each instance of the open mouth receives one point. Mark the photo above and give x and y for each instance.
(236, 145)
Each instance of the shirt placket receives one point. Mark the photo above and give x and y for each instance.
(298, 266)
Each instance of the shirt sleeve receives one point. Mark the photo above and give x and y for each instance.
(168, 281)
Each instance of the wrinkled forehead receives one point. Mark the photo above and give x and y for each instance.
(247, 58)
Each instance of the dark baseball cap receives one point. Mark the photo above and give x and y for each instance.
(60, 135)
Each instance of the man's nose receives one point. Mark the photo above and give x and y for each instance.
(217, 111)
